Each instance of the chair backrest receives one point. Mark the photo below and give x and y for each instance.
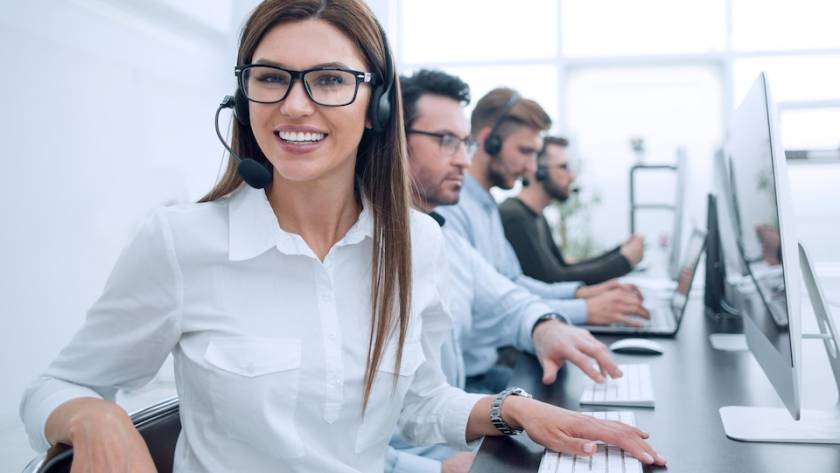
(159, 424)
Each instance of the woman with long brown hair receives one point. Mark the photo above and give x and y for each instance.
(305, 319)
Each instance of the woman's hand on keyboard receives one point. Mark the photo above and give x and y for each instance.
(569, 432)
(556, 343)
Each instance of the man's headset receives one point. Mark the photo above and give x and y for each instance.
(258, 175)
(542, 172)
(541, 175)
(494, 141)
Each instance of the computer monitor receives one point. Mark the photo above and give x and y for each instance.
(677, 237)
(722, 190)
(718, 297)
(769, 297)
(694, 248)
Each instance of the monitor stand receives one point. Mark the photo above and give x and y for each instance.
(763, 424)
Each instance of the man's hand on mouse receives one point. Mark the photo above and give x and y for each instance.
(556, 342)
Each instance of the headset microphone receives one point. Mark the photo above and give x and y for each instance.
(525, 181)
(252, 172)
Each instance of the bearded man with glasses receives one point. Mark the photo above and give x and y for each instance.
(530, 235)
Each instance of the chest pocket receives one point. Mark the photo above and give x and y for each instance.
(254, 391)
(386, 399)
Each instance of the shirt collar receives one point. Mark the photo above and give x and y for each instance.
(437, 217)
(474, 189)
(254, 228)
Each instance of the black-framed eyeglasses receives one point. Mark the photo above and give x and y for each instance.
(328, 86)
(449, 143)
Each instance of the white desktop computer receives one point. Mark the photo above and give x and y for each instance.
(678, 237)
(721, 178)
(768, 295)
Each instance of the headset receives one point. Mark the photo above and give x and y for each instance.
(258, 175)
(493, 142)
(542, 172)
(542, 175)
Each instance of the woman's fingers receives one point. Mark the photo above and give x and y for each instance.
(575, 446)
(578, 434)
(631, 439)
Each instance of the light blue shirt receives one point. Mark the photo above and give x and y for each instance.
(488, 311)
(476, 218)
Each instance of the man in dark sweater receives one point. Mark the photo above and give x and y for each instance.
(528, 232)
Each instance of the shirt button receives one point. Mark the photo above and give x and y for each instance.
(250, 367)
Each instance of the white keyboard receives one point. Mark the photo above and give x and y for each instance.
(634, 389)
(607, 459)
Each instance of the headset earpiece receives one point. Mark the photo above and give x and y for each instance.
(493, 142)
(542, 173)
(240, 108)
(379, 110)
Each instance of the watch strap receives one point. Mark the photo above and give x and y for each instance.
(496, 411)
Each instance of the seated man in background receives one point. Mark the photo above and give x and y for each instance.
(528, 231)
(508, 130)
(488, 310)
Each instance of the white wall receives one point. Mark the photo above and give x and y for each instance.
(108, 113)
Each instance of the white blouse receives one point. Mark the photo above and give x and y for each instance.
(270, 344)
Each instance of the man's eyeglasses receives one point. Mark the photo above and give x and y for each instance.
(449, 143)
(328, 86)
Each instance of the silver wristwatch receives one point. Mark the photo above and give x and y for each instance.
(496, 410)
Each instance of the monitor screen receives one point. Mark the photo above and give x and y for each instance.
(726, 214)
(755, 198)
(688, 268)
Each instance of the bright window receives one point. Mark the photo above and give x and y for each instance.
(669, 107)
(811, 128)
(791, 78)
(441, 31)
(641, 27)
(761, 25)
(537, 82)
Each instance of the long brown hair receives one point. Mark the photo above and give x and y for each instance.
(381, 167)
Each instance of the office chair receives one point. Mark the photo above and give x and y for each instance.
(158, 424)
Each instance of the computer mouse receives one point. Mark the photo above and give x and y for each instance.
(640, 346)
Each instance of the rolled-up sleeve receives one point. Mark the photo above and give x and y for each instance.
(433, 411)
(126, 335)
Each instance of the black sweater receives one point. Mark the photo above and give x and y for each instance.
(529, 234)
